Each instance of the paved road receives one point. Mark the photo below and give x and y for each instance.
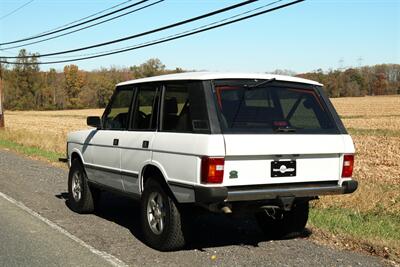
(28, 241)
(115, 228)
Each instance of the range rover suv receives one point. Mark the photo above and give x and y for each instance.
(223, 142)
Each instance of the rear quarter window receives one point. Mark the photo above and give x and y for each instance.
(184, 108)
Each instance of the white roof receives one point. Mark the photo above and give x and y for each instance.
(218, 75)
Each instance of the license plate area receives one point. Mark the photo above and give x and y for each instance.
(283, 168)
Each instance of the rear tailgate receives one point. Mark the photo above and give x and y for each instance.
(249, 158)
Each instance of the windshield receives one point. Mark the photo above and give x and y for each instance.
(271, 107)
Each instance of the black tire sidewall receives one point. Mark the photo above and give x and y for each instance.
(172, 217)
(85, 203)
(298, 217)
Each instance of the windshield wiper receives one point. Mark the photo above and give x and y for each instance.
(261, 83)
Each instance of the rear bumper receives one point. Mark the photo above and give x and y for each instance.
(264, 192)
(65, 160)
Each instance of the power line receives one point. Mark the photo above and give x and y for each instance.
(172, 35)
(176, 36)
(75, 25)
(147, 32)
(86, 27)
(78, 20)
(168, 39)
(15, 10)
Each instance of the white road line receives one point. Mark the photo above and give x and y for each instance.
(108, 257)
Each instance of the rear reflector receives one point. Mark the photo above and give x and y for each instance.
(348, 164)
(212, 170)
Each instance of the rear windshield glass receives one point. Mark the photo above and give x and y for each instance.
(251, 106)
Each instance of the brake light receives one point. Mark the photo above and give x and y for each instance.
(348, 164)
(212, 170)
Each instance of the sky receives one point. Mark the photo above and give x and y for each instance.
(314, 34)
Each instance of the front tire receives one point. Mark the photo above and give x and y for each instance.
(284, 224)
(80, 198)
(161, 218)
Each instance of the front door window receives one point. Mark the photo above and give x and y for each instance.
(116, 116)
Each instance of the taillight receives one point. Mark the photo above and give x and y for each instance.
(348, 164)
(212, 170)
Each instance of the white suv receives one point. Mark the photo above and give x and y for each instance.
(229, 143)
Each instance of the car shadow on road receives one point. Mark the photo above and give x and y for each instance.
(217, 230)
(204, 229)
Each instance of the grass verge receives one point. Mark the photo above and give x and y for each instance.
(31, 151)
(363, 225)
(378, 234)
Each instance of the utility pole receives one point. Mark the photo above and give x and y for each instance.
(360, 62)
(341, 64)
(1, 98)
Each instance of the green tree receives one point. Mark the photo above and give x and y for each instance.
(74, 80)
(22, 90)
(151, 67)
(368, 80)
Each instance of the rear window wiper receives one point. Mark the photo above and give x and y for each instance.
(260, 84)
(284, 130)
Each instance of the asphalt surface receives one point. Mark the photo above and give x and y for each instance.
(28, 241)
(115, 229)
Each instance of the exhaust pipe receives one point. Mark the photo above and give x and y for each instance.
(219, 208)
(226, 209)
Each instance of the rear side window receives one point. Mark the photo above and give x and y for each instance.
(250, 106)
(145, 108)
(184, 108)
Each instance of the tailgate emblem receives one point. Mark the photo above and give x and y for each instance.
(233, 174)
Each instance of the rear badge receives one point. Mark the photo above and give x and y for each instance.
(233, 174)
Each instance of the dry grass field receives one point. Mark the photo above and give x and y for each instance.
(373, 122)
(46, 130)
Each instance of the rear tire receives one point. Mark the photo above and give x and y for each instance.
(161, 218)
(80, 198)
(284, 224)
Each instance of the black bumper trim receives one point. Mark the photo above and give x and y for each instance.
(349, 186)
(264, 192)
(291, 190)
(63, 159)
(210, 194)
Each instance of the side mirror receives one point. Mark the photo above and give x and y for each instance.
(94, 121)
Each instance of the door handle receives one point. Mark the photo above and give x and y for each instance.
(145, 144)
(115, 142)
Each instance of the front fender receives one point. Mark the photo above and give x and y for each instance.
(74, 149)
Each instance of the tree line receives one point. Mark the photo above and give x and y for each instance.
(26, 87)
(383, 79)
